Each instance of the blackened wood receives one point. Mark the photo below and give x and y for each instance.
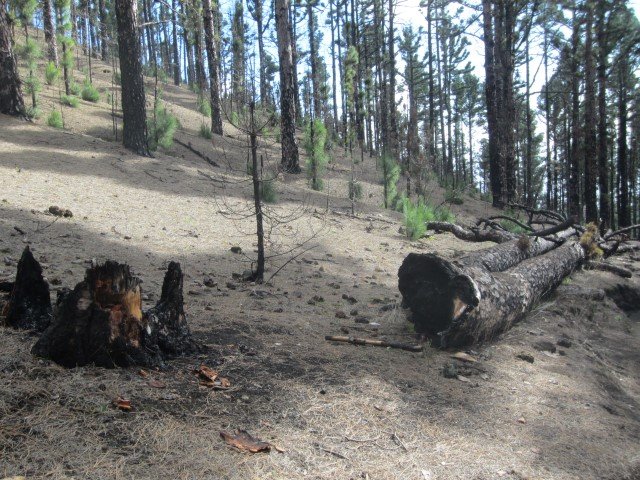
(101, 322)
(473, 234)
(11, 101)
(459, 306)
(29, 305)
(134, 110)
(374, 342)
(290, 158)
(168, 320)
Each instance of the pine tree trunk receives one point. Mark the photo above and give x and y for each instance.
(391, 97)
(49, 32)
(290, 160)
(11, 100)
(313, 57)
(104, 31)
(201, 78)
(133, 98)
(495, 170)
(213, 59)
(624, 217)
(573, 186)
(174, 46)
(238, 51)
(590, 140)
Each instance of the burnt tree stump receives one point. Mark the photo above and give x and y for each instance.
(101, 321)
(460, 303)
(29, 305)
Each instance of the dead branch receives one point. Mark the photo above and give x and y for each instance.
(509, 219)
(607, 267)
(472, 234)
(189, 147)
(376, 343)
(557, 217)
(609, 236)
(568, 223)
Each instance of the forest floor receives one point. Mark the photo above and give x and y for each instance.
(335, 411)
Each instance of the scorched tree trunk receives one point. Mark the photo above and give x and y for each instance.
(11, 101)
(134, 110)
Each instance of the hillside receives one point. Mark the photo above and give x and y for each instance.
(335, 411)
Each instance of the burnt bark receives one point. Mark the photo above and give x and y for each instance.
(49, 32)
(458, 304)
(101, 321)
(134, 111)
(11, 100)
(474, 234)
(213, 59)
(29, 305)
(290, 160)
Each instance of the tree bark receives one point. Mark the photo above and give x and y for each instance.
(101, 321)
(104, 32)
(472, 234)
(213, 59)
(174, 37)
(290, 160)
(134, 109)
(463, 304)
(590, 139)
(603, 169)
(11, 100)
(49, 32)
(495, 172)
(29, 305)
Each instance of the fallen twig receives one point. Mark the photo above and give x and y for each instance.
(375, 343)
(206, 158)
(568, 223)
(607, 267)
(608, 236)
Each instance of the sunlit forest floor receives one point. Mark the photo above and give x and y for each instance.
(335, 411)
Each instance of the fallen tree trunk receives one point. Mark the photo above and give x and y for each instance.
(101, 321)
(509, 254)
(472, 234)
(29, 305)
(460, 303)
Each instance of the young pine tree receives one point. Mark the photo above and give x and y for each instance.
(315, 139)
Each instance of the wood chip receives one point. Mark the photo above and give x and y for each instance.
(122, 404)
(464, 357)
(243, 441)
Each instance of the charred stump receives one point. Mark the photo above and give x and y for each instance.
(460, 303)
(29, 305)
(168, 319)
(101, 321)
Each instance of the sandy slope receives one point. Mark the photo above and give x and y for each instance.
(338, 411)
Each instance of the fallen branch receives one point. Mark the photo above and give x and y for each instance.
(188, 146)
(607, 267)
(509, 219)
(376, 343)
(472, 234)
(608, 236)
(568, 223)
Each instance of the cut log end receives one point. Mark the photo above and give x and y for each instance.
(29, 305)
(435, 291)
(101, 321)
